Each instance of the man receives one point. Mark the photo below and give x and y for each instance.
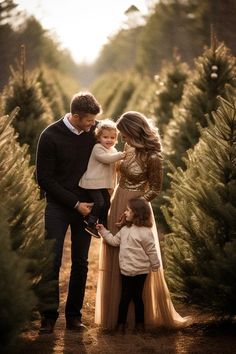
(63, 152)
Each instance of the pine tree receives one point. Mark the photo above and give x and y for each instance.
(105, 89)
(144, 88)
(112, 90)
(35, 114)
(122, 96)
(169, 90)
(16, 299)
(200, 251)
(19, 194)
(7, 9)
(51, 92)
(213, 70)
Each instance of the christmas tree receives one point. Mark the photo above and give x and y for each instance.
(16, 299)
(140, 99)
(23, 90)
(51, 92)
(19, 195)
(213, 70)
(169, 90)
(200, 251)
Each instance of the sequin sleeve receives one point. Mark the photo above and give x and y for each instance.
(154, 176)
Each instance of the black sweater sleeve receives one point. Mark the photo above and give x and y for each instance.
(45, 172)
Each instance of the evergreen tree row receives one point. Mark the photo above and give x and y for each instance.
(17, 28)
(214, 69)
(41, 100)
(143, 42)
(200, 251)
(25, 256)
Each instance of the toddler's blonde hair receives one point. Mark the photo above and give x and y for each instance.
(105, 124)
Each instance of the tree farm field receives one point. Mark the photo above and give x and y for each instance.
(204, 336)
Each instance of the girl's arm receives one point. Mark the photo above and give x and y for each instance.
(106, 156)
(149, 247)
(108, 237)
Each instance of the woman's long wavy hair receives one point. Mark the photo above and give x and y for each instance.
(142, 135)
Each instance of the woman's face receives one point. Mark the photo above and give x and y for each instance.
(126, 139)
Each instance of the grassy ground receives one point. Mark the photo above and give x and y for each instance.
(205, 336)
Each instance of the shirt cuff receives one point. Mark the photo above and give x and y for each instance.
(77, 205)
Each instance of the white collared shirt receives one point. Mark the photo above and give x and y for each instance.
(70, 126)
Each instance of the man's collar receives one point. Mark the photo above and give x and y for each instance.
(69, 125)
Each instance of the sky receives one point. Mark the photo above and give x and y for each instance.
(82, 26)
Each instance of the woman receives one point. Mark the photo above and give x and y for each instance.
(140, 175)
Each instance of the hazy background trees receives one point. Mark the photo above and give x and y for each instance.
(142, 42)
(40, 46)
(185, 25)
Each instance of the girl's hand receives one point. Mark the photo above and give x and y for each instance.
(100, 227)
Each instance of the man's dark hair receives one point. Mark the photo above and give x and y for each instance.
(84, 103)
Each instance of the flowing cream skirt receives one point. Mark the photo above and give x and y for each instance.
(159, 309)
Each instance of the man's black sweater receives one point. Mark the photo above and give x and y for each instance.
(62, 158)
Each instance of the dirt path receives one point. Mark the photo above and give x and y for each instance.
(201, 338)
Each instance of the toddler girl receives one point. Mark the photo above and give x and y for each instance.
(100, 175)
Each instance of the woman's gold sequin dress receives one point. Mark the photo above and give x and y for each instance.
(136, 179)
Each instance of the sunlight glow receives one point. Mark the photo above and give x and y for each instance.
(81, 26)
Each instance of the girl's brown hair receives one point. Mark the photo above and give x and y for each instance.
(142, 212)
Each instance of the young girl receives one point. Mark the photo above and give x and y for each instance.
(101, 174)
(137, 257)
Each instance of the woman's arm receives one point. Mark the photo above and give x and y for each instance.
(154, 176)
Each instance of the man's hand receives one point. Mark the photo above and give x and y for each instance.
(84, 208)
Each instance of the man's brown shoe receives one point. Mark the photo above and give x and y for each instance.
(47, 326)
(75, 324)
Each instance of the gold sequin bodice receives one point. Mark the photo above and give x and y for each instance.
(145, 176)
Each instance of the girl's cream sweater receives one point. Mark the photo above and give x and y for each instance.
(138, 254)
(101, 172)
